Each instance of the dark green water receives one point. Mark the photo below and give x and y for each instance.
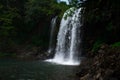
(11, 69)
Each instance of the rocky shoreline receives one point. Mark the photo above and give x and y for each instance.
(102, 65)
(26, 53)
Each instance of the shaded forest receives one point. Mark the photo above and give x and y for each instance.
(101, 22)
(25, 24)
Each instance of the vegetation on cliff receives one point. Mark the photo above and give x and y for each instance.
(25, 24)
(101, 40)
(101, 21)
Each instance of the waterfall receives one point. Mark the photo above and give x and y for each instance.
(51, 43)
(68, 39)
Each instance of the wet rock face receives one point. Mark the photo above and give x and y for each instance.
(105, 65)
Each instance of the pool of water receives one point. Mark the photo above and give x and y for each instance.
(11, 69)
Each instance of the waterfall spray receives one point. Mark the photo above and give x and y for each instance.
(68, 39)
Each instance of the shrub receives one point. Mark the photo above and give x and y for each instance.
(116, 44)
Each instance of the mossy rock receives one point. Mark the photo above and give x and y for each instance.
(116, 44)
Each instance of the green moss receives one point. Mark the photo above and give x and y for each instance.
(97, 45)
(116, 44)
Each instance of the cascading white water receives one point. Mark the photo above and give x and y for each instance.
(53, 24)
(68, 39)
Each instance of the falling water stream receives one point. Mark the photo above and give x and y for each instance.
(53, 27)
(68, 39)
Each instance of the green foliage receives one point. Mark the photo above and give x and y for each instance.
(38, 15)
(37, 9)
(97, 45)
(62, 8)
(101, 21)
(27, 22)
(10, 21)
(116, 44)
(75, 3)
(70, 12)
